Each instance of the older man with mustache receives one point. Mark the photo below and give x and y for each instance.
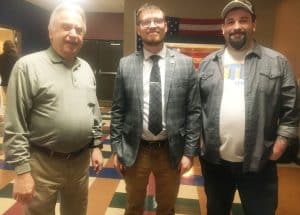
(53, 119)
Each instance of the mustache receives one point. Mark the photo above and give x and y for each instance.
(237, 32)
(72, 42)
(153, 31)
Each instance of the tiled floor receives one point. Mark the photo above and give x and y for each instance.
(107, 190)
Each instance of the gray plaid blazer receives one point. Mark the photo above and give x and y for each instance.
(182, 107)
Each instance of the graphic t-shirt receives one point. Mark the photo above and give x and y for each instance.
(232, 113)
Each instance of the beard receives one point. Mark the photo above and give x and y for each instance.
(152, 42)
(155, 40)
(237, 43)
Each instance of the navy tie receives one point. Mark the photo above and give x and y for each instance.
(155, 103)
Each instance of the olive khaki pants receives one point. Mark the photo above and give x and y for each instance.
(63, 179)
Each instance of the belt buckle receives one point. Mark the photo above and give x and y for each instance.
(159, 144)
(52, 154)
(152, 144)
(156, 144)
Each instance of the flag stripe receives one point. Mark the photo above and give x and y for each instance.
(192, 27)
(211, 33)
(210, 27)
(201, 21)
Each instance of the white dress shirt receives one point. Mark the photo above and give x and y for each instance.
(147, 66)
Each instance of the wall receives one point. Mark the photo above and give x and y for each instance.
(31, 20)
(287, 32)
(105, 26)
(200, 9)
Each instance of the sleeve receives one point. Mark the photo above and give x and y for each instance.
(193, 114)
(117, 112)
(289, 114)
(16, 145)
(97, 117)
(97, 127)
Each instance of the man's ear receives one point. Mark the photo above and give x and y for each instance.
(137, 29)
(50, 35)
(222, 26)
(166, 27)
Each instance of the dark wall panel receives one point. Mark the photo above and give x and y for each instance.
(30, 20)
(103, 56)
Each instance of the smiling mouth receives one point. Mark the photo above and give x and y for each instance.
(71, 43)
(237, 35)
(153, 33)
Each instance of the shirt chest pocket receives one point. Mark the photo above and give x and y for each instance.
(206, 75)
(269, 81)
(207, 81)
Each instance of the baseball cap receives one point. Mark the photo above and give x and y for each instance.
(237, 4)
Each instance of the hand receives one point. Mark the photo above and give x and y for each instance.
(279, 148)
(23, 190)
(118, 165)
(97, 160)
(185, 164)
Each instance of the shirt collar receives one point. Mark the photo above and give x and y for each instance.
(162, 53)
(56, 59)
(255, 51)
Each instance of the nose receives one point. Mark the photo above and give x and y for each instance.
(72, 32)
(237, 25)
(152, 24)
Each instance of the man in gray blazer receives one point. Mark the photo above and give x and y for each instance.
(155, 118)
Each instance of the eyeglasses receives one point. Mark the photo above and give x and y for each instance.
(147, 22)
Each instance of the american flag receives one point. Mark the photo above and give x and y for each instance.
(182, 30)
(194, 26)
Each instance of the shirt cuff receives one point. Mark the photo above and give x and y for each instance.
(23, 168)
(286, 131)
(96, 144)
(114, 148)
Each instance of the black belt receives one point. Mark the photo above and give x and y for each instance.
(59, 155)
(154, 144)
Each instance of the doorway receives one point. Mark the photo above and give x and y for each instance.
(103, 56)
(7, 33)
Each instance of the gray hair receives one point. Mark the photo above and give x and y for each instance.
(67, 6)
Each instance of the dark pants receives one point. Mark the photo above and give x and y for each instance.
(258, 191)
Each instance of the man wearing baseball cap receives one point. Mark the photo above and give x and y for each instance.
(248, 98)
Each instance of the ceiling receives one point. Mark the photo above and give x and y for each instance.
(108, 6)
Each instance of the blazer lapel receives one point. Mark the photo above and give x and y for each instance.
(170, 66)
(138, 76)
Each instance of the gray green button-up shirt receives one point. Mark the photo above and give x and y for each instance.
(51, 105)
